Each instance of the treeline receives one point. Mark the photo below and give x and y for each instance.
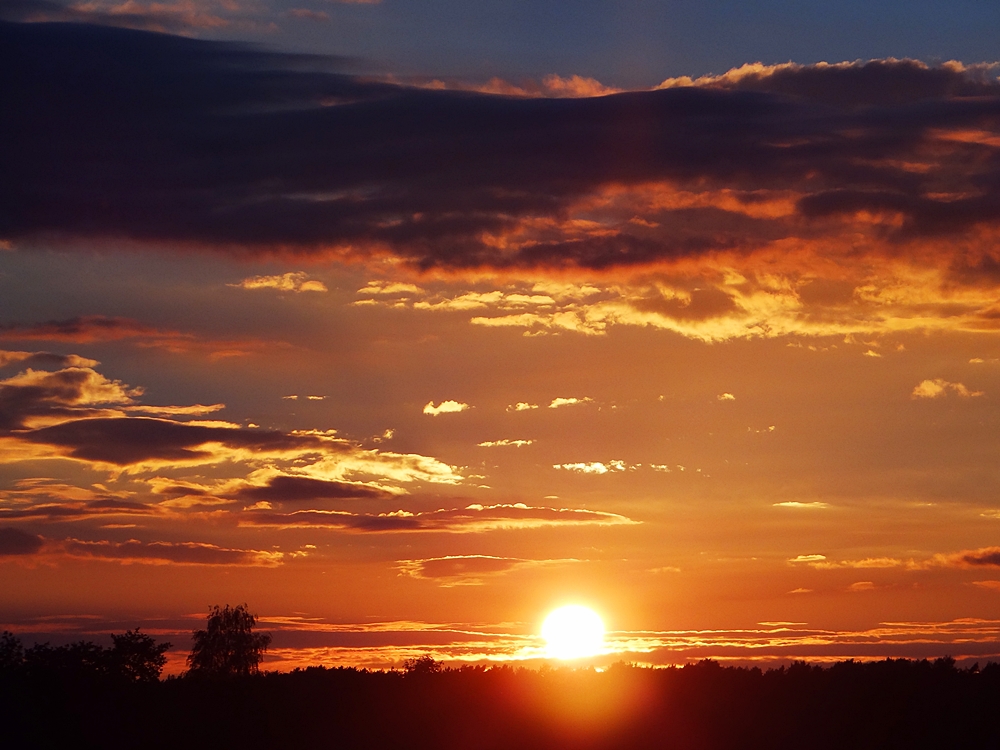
(134, 657)
(879, 705)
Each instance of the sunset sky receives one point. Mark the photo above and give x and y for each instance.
(406, 323)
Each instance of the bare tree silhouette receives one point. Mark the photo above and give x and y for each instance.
(228, 647)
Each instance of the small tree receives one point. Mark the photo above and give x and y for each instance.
(137, 657)
(420, 665)
(228, 647)
(11, 652)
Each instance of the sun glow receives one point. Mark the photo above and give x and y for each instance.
(573, 632)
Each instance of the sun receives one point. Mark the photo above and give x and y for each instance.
(573, 632)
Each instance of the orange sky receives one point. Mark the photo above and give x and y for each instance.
(741, 409)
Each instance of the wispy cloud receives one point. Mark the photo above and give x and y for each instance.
(469, 570)
(296, 281)
(471, 519)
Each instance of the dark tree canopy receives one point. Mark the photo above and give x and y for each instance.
(138, 657)
(228, 647)
(134, 657)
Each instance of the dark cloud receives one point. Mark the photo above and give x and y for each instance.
(83, 329)
(181, 553)
(16, 542)
(111, 132)
(72, 392)
(42, 360)
(987, 556)
(134, 440)
(288, 489)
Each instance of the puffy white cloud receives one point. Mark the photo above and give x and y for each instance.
(939, 388)
(445, 407)
(572, 401)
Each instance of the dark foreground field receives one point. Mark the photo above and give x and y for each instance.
(889, 704)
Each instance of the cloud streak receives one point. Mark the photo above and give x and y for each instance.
(471, 519)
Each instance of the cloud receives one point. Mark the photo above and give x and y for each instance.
(726, 397)
(194, 410)
(88, 329)
(36, 397)
(179, 16)
(472, 518)
(16, 542)
(939, 388)
(861, 586)
(164, 553)
(467, 570)
(774, 200)
(594, 467)
(44, 360)
(522, 406)
(556, 403)
(973, 558)
(504, 443)
(85, 329)
(816, 504)
(297, 281)
(807, 558)
(77, 413)
(390, 288)
(445, 407)
(989, 585)
(752, 160)
(299, 489)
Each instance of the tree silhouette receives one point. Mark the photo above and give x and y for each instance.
(137, 657)
(228, 647)
(11, 652)
(422, 665)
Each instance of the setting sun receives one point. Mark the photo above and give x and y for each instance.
(573, 632)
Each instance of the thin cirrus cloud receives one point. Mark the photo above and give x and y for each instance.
(473, 518)
(983, 557)
(87, 329)
(14, 542)
(468, 570)
(180, 16)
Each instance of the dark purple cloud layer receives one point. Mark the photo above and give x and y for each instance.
(16, 542)
(112, 132)
(123, 442)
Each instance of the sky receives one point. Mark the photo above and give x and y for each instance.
(407, 323)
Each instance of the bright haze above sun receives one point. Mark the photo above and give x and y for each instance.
(573, 632)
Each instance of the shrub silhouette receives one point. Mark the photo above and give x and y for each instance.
(228, 647)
